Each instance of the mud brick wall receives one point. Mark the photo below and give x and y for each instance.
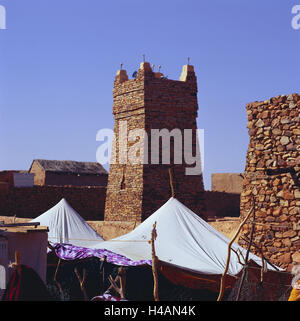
(272, 178)
(148, 102)
(7, 177)
(31, 202)
(227, 182)
(56, 178)
(39, 174)
(62, 179)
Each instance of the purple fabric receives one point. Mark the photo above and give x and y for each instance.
(71, 252)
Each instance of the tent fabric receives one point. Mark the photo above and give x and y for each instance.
(193, 280)
(67, 226)
(184, 240)
(69, 252)
(107, 297)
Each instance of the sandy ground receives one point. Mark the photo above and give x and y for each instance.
(226, 225)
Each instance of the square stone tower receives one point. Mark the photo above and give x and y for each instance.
(155, 135)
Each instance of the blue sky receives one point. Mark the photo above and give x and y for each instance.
(58, 60)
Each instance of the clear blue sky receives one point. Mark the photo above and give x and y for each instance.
(58, 60)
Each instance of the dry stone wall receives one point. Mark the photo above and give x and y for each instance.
(271, 178)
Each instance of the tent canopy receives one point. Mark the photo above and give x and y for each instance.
(183, 240)
(67, 226)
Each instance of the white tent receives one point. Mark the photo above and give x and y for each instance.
(67, 226)
(183, 240)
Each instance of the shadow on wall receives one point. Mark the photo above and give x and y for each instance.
(222, 204)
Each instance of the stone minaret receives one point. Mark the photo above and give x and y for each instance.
(139, 180)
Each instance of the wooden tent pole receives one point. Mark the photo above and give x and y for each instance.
(263, 266)
(247, 254)
(17, 263)
(57, 267)
(171, 182)
(122, 273)
(259, 249)
(55, 280)
(82, 282)
(121, 277)
(154, 263)
(222, 285)
(102, 270)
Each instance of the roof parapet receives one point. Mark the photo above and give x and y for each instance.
(187, 71)
(121, 76)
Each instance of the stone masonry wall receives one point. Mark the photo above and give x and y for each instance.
(272, 178)
(149, 102)
(124, 192)
(172, 104)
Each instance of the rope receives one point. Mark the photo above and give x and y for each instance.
(56, 238)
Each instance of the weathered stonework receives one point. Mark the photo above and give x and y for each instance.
(272, 178)
(151, 101)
